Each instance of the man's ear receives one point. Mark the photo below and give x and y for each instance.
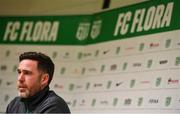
(44, 79)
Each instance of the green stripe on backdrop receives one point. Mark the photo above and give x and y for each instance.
(111, 18)
(22, 29)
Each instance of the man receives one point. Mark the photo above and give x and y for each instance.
(35, 72)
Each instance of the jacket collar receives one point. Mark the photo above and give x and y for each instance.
(32, 102)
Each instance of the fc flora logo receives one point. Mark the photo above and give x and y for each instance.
(84, 29)
(31, 31)
(96, 29)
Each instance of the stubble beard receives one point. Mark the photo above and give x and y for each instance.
(24, 94)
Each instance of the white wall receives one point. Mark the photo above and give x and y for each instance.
(57, 7)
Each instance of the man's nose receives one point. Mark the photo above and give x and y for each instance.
(21, 77)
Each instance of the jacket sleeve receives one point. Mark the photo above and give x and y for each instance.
(11, 106)
(15, 106)
(7, 109)
(55, 106)
(56, 109)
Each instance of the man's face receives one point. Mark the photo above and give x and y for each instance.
(29, 78)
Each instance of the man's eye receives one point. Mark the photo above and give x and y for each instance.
(18, 71)
(27, 72)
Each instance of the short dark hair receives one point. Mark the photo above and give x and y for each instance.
(44, 62)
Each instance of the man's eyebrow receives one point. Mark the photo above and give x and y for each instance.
(24, 70)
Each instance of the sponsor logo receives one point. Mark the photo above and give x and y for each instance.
(71, 87)
(125, 66)
(83, 102)
(83, 55)
(129, 48)
(79, 86)
(141, 47)
(140, 101)
(109, 83)
(7, 53)
(153, 45)
(8, 83)
(66, 55)
(118, 84)
(58, 86)
(168, 101)
(96, 53)
(149, 63)
(127, 102)
(93, 102)
(76, 71)
(6, 98)
(92, 69)
(115, 101)
(137, 65)
(104, 102)
(177, 62)
(3, 67)
(145, 82)
(80, 55)
(168, 43)
(98, 85)
(158, 81)
(153, 101)
(87, 85)
(132, 83)
(87, 55)
(14, 68)
(74, 103)
(105, 52)
(163, 62)
(113, 67)
(173, 81)
(178, 44)
(118, 49)
(83, 71)
(63, 70)
(102, 68)
(54, 55)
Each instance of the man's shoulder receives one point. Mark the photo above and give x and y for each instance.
(55, 103)
(13, 105)
(53, 97)
(15, 100)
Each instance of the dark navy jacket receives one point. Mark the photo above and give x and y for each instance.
(45, 101)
